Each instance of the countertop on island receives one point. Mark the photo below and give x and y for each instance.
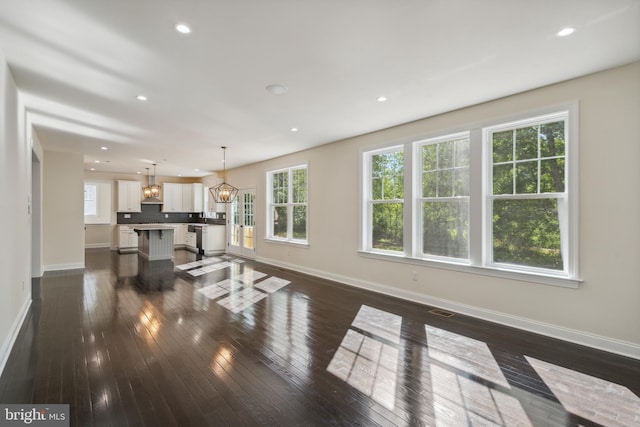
(144, 227)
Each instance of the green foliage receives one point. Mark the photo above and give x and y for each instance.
(388, 229)
(387, 170)
(528, 160)
(446, 228)
(527, 232)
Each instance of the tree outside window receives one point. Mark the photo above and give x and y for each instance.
(386, 202)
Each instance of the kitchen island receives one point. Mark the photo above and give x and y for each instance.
(155, 241)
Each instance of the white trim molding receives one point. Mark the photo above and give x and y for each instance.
(599, 342)
(60, 267)
(8, 344)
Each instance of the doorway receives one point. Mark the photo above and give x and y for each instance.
(241, 231)
(35, 210)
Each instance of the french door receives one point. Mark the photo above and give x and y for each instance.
(241, 229)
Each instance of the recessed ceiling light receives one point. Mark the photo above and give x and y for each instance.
(197, 170)
(141, 98)
(104, 148)
(381, 98)
(92, 169)
(179, 174)
(138, 172)
(277, 89)
(183, 28)
(566, 31)
(294, 129)
(96, 161)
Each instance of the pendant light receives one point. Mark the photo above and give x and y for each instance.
(224, 193)
(151, 190)
(146, 191)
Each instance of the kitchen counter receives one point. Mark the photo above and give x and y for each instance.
(155, 241)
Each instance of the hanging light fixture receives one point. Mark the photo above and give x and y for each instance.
(224, 193)
(151, 190)
(155, 189)
(146, 191)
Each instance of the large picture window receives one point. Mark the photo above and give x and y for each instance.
(287, 204)
(499, 197)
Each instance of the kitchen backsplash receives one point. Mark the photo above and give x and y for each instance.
(152, 214)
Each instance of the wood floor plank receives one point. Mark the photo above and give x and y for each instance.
(123, 356)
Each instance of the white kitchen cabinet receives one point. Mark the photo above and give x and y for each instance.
(182, 197)
(172, 197)
(129, 196)
(214, 240)
(192, 197)
(180, 235)
(190, 241)
(128, 239)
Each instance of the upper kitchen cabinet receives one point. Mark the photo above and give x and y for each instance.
(129, 196)
(182, 197)
(192, 198)
(172, 197)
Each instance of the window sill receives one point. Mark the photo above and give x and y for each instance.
(485, 271)
(295, 243)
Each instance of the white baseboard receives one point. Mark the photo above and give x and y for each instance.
(8, 343)
(97, 245)
(59, 267)
(611, 345)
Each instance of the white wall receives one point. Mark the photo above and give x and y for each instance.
(63, 211)
(15, 189)
(603, 312)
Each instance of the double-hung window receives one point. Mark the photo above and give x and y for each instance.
(444, 199)
(287, 204)
(385, 200)
(526, 196)
(498, 199)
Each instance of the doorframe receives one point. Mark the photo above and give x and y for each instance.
(240, 250)
(35, 211)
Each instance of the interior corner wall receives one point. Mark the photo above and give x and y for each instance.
(15, 188)
(604, 312)
(63, 211)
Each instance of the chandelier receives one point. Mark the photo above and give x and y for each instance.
(151, 190)
(224, 193)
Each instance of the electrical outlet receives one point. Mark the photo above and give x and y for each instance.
(23, 285)
(414, 276)
(190, 215)
(166, 215)
(127, 216)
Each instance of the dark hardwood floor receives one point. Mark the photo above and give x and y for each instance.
(163, 344)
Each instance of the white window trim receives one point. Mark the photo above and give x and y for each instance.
(104, 204)
(417, 249)
(269, 237)
(488, 196)
(367, 205)
(477, 263)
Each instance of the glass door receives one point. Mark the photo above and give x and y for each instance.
(241, 228)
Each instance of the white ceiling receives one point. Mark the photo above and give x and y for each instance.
(80, 64)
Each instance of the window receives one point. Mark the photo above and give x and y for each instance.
(385, 199)
(527, 201)
(90, 199)
(444, 202)
(287, 204)
(97, 202)
(499, 198)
